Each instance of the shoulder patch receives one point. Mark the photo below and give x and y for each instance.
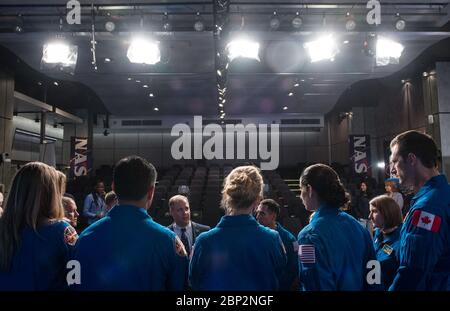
(307, 253)
(70, 235)
(180, 250)
(387, 249)
(425, 220)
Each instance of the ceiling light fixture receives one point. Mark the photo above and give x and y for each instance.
(143, 51)
(244, 48)
(324, 48)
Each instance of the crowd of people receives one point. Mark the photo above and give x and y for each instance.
(123, 248)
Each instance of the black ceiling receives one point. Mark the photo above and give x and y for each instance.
(184, 82)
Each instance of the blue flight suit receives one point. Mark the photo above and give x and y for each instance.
(40, 261)
(425, 240)
(127, 250)
(387, 249)
(290, 272)
(238, 254)
(334, 250)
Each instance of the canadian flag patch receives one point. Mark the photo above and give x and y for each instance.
(426, 221)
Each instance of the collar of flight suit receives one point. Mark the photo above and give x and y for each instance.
(129, 210)
(236, 221)
(390, 237)
(433, 182)
(323, 210)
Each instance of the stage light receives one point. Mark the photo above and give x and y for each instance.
(199, 25)
(243, 48)
(350, 24)
(285, 108)
(156, 109)
(274, 22)
(167, 26)
(110, 26)
(324, 48)
(297, 21)
(142, 51)
(381, 165)
(388, 51)
(61, 53)
(400, 23)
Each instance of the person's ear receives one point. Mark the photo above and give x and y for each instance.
(150, 193)
(411, 159)
(310, 191)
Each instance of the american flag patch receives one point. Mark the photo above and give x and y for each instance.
(307, 253)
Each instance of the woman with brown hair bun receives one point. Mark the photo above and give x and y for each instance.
(35, 243)
(239, 253)
(334, 248)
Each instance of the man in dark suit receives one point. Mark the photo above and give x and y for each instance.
(184, 228)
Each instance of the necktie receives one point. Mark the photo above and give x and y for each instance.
(185, 240)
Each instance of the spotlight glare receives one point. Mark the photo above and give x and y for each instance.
(381, 165)
(145, 86)
(156, 109)
(142, 51)
(151, 95)
(388, 52)
(60, 53)
(291, 94)
(55, 83)
(220, 105)
(296, 84)
(285, 108)
(243, 48)
(321, 49)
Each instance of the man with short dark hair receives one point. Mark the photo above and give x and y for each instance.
(425, 235)
(182, 225)
(127, 250)
(267, 214)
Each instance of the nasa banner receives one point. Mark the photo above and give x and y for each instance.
(79, 161)
(360, 154)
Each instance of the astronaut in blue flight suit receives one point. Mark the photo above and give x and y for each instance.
(386, 217)
(267, 214)
(37, 260)
(425, 235)
(334, 249)
(127, 250)
(239, 253)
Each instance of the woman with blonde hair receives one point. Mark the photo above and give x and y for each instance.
(35, 243)
(387, 219)
(239, 253)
